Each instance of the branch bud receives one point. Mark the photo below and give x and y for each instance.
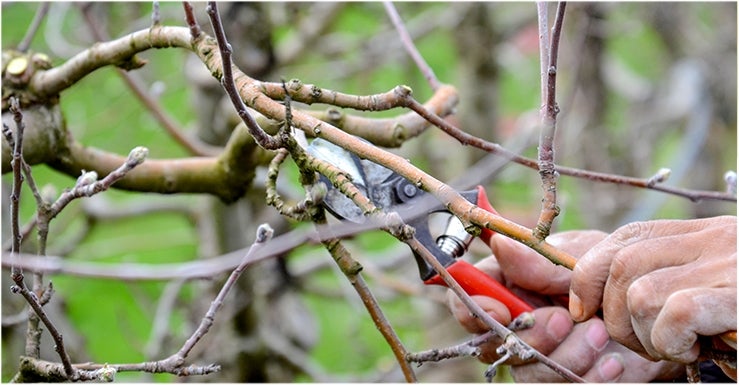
(730, 178)
(264, 233)
(87, 178)
(106, 373)
(137, 156)
(662, 175)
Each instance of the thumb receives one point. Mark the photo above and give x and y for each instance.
(527, 269)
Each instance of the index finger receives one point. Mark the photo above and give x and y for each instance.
(624, 256)
(527, 269)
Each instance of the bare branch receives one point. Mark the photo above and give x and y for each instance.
(466, 349)
(512, 343)
(351, 269)
(405, 37)
(494, 148)
(15, 195)
(192, 22)
(41, 12)
(227, 81)
(548, 114)
(263, 235)
(116, 52)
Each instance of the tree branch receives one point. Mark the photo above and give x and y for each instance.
(227, 81)
(116, 52)
(405, 37)
(548, 52)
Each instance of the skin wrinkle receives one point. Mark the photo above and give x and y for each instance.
(651, 266)
(639, 368)
(692, 312)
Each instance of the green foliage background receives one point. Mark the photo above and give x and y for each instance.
(115, 317)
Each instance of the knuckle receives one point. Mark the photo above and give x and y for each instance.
(642, 298)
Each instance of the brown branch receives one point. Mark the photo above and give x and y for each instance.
(87, 185)
(387, 132)
(41, 12)
(30, 297)
(512, 343)
(17, 141)
(407, 41)
(351, 269)
(116, 52)
(191, 21)
(494, 148)
(548, 114)
(227, 81)
(33, 333)
(264, 234)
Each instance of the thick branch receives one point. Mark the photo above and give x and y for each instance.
(387, 132)
(227, 176)
(118, 52)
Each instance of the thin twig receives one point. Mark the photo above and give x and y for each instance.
(512, 341)
(192, 22)
(155, 15)
(22, 289)
(495, 148)
(33, 28)
(227, 81)
(405, 37)
(264, 234)
(87, 185)
(466, 349)
(15, 195)
(17, 274)
(351, 269)
(548, 51)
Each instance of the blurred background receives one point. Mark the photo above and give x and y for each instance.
(640, 86)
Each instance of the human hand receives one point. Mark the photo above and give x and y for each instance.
(661, 284)
(583, 348)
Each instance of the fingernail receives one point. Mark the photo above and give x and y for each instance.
(576, 309)
(596, 336)
(559, 326)
(611, 367)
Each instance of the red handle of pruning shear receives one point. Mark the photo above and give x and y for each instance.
(476, 282)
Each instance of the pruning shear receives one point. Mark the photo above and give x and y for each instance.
(390, 191)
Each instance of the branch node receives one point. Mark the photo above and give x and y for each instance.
(493, 368)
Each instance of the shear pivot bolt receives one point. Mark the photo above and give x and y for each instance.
(410, 190)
